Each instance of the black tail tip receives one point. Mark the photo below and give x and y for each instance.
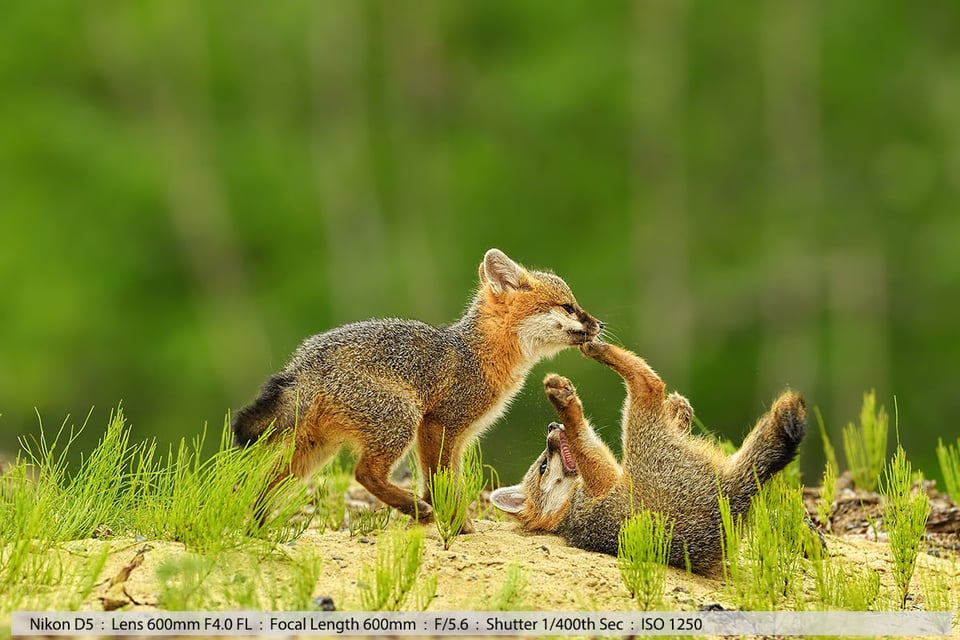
(267, 409)
(244, 428)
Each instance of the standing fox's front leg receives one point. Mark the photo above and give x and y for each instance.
(595, 462)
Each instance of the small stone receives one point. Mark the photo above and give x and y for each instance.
(324, 603)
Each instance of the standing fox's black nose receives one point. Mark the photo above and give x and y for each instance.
(553, 426)
(600, 324)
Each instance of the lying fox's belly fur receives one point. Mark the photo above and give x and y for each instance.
(578, 490)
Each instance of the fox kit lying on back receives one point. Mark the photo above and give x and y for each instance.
(576, 488)
(381, 384)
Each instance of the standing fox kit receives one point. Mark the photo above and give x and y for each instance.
(380, 385)
(577, 489)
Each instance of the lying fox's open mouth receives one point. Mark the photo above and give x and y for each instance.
(569, 464)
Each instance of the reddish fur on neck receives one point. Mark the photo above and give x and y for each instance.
(533, 518)
(498, 323)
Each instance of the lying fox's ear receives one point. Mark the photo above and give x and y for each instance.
(509, 499)
(501, 273)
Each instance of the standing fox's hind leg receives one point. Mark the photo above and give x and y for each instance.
(439, 449)
(373, 472)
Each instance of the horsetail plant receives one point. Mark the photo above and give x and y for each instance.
(643, 550)
(453, 492)
(866, 445)
(388, 583)
(949, 459)
(905, 515)
(830, 472)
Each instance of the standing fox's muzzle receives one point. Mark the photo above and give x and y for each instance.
(591, 328)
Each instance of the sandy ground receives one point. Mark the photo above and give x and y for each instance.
(473, 570)
(470, 573)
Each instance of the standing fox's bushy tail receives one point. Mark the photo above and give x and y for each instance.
(275, 406)
(770, 447)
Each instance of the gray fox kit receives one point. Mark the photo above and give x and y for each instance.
(577, 489)
(380, 385)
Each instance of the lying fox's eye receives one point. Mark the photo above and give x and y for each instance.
(543, 466)
(568, 308)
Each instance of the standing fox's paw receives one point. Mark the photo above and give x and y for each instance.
(678, 411)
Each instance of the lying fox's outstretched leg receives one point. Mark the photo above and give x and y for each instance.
(595, 462)
(767, 449)
(644, 386)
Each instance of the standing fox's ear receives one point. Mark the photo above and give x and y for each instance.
(509, 499)
(501, 273)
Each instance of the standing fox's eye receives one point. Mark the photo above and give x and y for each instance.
(568, 308)
(543, 466)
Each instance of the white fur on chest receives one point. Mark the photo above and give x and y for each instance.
(494, 413)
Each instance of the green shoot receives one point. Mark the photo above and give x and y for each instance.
(949, 459)
(830, 471)
(330, 498)
(791, 473)
(731, 538)
(85, 576)
(206, 503)
(386, 585)
(305, 575)
(827, 494)
(643, 551)
(866, 446)
(510, 595)
(452, 494)
(859, 588)
(183, 582)
(362, 521)
(426, 592)
(905, 515)
(935, 590)
(828, 451)
(774, 545)
(839, 584)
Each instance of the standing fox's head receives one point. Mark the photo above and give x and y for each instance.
(542, 498)
(535, 306)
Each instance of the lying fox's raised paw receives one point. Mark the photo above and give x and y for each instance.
(559, 390)
(563, 397)
(595, 349)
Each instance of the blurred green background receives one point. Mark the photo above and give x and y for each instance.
(751, 196)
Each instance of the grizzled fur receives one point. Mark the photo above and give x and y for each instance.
(381, 385)
(664, 469)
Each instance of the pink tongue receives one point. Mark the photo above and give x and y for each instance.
(568, 462)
